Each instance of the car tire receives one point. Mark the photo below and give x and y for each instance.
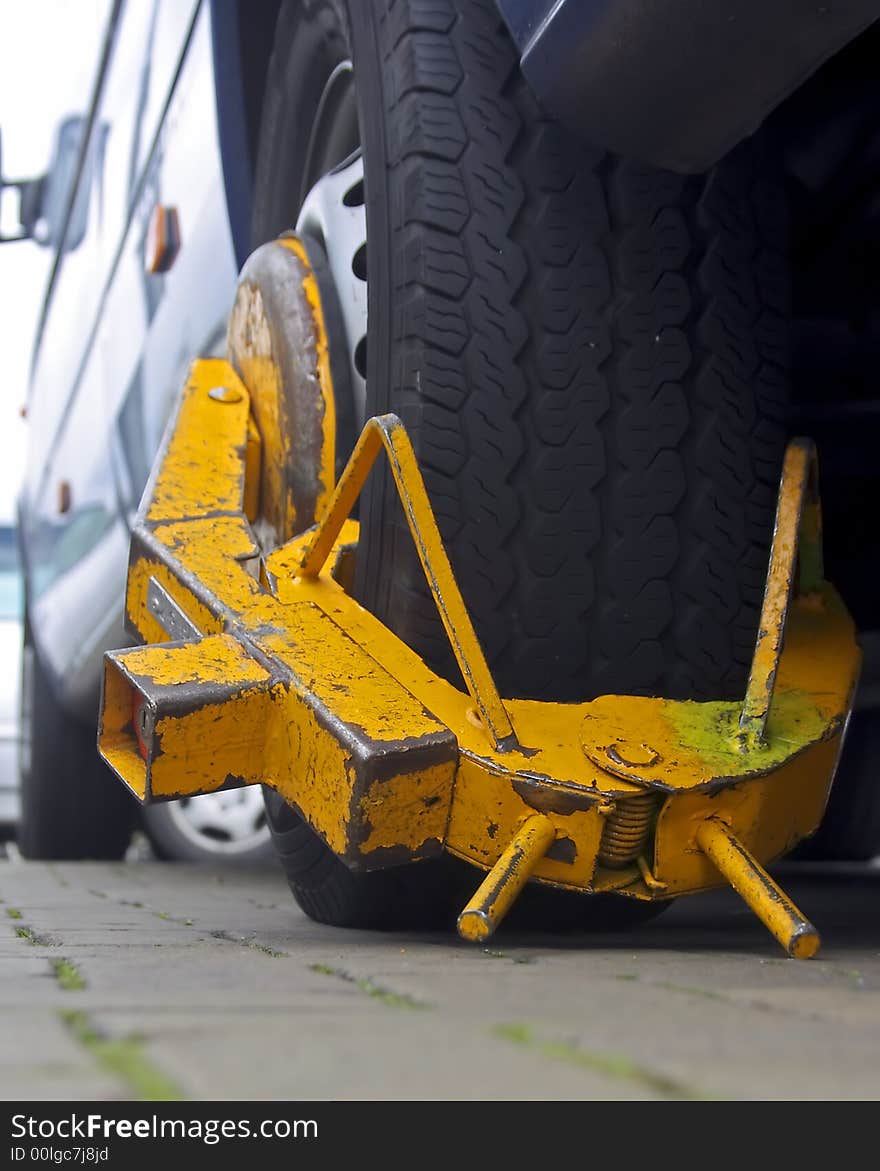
(72, 807)
(589, 356)
(422, 896)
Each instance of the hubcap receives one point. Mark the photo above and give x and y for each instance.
(231, 822)
(334, 215)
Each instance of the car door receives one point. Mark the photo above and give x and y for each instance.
(116, 338)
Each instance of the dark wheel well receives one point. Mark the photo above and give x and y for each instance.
(242, 36)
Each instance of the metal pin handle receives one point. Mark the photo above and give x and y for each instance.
(498, 891)
(758, 890)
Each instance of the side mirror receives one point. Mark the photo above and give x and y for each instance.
(30, 197)
(44, 201)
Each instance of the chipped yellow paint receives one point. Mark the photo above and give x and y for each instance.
(345, 678)
(679, 745)
(283, 565)
(827, 655)
(795, 498)
(499, 889)
(549, 748)
(141, 570)
(327, 472)
(216, 745)
(770, 815)
(179, 692)
(402, 809)
(253, 464)
(307, 692)
(222, 716)
(202, 470)
(333, 674)
(217, 659)
(487, 810)
(265, 732)
(195, 546)
(294, 447)
(388, 433)
(250, 333)
(758, 890)
(683, 745)
(251, 338)
(116, 737)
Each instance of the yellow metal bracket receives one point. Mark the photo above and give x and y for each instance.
(260, 667)
(386, 432)
(797, 544)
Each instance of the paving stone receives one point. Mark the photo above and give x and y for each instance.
(227, 991)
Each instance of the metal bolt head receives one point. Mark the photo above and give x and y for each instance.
(632, 755)
(224, 394)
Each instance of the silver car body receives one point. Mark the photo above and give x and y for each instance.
(10, 657)
(115, 342)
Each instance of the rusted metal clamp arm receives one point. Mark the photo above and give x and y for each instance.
(797, 543)
(758, 890)
(387, 431)
(504, 882)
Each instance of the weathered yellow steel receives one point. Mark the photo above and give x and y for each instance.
(684, 745)
(758, 890)
(313, 714)
(387, 432)
(798, 495)
(264, 669)
(499, 889)
(769, 814)
(277, 341)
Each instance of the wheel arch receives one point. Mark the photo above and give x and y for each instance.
(241, 43)
(627, 75)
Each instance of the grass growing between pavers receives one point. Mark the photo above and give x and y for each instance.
(30, 936)
(694, 990)
(244, 941)
(125, 1058)
(68, 975)
(494, 954)
(613, 1065)
(13, 912)
(370, 988)
(272, 952)
(65, 971)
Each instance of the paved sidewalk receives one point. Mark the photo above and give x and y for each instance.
(152, 980)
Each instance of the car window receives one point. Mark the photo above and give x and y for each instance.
(10, 576)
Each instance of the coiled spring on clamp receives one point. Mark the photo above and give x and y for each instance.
(626, 830)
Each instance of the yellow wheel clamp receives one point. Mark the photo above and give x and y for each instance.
(262, 669)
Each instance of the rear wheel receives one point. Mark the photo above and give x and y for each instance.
(71, 806)
(424, 896)
(589, 357)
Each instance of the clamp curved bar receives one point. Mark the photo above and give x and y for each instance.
(797, 545)
(387, 431)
